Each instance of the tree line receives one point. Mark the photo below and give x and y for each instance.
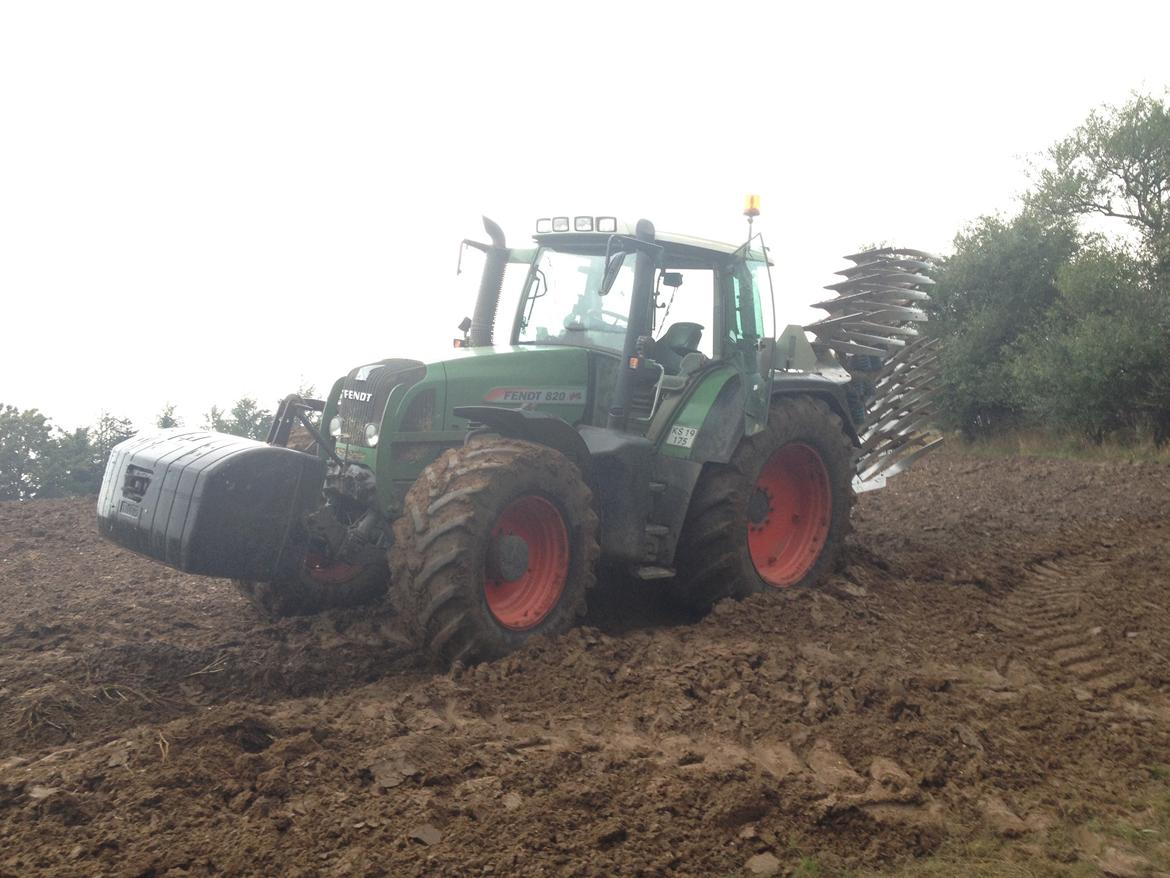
(1058, 317)
(40, 460)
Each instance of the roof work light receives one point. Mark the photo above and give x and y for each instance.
(606, 224)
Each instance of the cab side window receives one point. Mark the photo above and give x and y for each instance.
(686, 296)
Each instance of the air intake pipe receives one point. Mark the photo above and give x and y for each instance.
(490, 286)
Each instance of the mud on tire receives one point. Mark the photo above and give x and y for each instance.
(444, 561)
(714, 558)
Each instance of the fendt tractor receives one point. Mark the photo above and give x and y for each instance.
(635, 415)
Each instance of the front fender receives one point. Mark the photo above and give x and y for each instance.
(538, 427)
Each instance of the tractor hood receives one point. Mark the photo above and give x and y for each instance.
(554, 379)
(396, 416)
(413, 395)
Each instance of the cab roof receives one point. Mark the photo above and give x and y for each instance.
(672, 239)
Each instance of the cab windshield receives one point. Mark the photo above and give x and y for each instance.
(561, 304)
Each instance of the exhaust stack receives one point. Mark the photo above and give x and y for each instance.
(490, 286)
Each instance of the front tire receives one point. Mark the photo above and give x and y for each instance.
(497, 544)
(777, 514)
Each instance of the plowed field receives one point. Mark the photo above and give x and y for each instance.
(988, 677)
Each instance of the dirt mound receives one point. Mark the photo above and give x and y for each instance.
(991, 661)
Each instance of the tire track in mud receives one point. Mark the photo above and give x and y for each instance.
(1054, 614)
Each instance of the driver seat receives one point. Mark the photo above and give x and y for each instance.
(679, 340)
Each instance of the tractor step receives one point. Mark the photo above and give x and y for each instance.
(648, 571)
(655, 549)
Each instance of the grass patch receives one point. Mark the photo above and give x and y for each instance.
(988, 858)
(1147, 832)
(1139, 840)
(1037, 443)
(1159, 772)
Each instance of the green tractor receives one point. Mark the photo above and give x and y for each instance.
(635, 414)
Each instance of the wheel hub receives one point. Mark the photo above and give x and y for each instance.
(759, 505)
(527, 562)
(509, 557)
(330, 572)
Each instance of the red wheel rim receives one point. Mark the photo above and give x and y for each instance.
(525, 600)
(329, 572)
(789, 514)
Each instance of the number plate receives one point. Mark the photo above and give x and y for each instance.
(683, 437)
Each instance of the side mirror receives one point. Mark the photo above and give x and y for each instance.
(613, 265)
(618, 246)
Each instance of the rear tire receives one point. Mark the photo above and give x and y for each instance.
(497, 544)
(777, 514)
(315, 589)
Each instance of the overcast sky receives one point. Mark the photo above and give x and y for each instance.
(204, 200)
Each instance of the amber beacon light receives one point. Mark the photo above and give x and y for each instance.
(751, 206)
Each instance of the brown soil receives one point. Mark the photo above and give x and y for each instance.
(992, 661)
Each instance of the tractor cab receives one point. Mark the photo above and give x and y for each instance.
(657, 310)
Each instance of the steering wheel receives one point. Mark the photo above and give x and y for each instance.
(596, 319)
(619, 318)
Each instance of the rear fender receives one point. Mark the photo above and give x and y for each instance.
(710, 420)
(832, 393)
